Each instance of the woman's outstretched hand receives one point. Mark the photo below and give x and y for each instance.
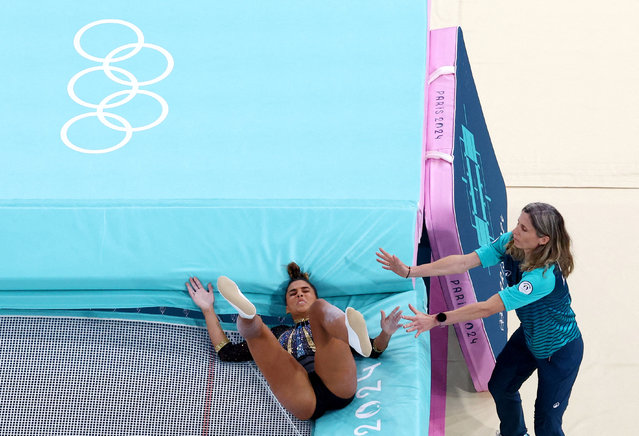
(201, 297)
(392, 263)
(421, 322)
(390, 323)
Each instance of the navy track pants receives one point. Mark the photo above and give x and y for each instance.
(557, 374)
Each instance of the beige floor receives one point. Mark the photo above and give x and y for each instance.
(603, 224)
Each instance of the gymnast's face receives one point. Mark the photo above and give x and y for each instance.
(299, 298)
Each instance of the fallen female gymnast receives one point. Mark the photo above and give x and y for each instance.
(309, 366)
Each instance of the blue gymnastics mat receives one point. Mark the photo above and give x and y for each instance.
(145, 142)
(280, 131)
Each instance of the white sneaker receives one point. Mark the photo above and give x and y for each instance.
(234, 296)
(357, 332)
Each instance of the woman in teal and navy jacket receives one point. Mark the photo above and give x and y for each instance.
(537, 259)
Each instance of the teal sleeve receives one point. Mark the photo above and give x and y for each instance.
(494, 252)
(533, 286)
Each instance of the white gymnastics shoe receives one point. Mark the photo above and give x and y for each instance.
(234, 296)
(357, 332)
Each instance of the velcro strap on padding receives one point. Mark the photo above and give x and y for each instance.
(448, 69)
(439, 155)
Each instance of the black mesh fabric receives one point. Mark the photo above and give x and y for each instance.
(78, 376)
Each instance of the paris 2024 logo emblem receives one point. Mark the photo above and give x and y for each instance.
(119, 98)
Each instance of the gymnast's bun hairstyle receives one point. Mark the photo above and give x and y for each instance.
(296, 273)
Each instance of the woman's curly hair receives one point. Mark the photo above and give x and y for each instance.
(546, 221)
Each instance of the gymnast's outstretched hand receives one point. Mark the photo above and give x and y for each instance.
(421, 322)
(390, 323)
(392, 263)
(201, 297)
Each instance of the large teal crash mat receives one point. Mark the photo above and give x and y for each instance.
(144, 142)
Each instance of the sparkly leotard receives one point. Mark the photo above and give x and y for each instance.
(298, 341)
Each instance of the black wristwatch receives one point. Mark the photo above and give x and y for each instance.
(441, 317)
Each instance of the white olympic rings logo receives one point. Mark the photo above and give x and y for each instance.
(129, 94)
